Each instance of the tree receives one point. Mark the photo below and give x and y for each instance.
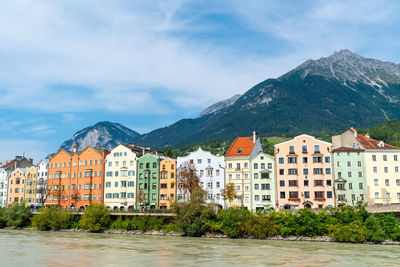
(43, 191)
(229, 192)
(187, 179)
(169, 153)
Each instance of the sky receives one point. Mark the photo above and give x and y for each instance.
(65, 65)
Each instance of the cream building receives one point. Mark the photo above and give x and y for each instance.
(237, 168)
(120, 177)
(382, 164)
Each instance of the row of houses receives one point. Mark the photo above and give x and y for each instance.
(304, 172)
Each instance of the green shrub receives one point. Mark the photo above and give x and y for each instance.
(353, 232)
(53, 218)
(374, 230)
(390, 225)
(234, 221)
(195, 228)
(171, 227)
(96, 218)
(3, 222)
(17, 216)
(260, 227)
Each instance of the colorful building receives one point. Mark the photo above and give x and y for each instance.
(76, 179)
(3, 187)
(211, 171)
(349, 173)
(16, 186)
(382, 165)
(120, 177)
(167, 176)
(30, 186)
(237, 168)
(42, 182)
(304, 174)
(147, 190)
(262, 177)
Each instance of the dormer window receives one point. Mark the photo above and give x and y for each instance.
(381, 144)
(239, 151)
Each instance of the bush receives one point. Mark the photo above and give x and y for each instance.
(353, 232)
(3, 222)
(17, 216)
(96, 218)
(260, 227)
(53, 218)
(171, 227)
(234, 221)
(374, 230)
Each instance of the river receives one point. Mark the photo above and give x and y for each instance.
(34, 248)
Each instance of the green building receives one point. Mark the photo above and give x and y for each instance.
(350, 178)
(148, 181)
(262, 179)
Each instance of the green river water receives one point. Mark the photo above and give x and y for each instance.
(34, 248)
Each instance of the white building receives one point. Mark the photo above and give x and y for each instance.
(42, 182)
(211, 171)
(120, 177)
(3, 188)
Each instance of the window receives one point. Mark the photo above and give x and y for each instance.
(255, 166)
(217, 185)
(209, 185)
(291, 149)
(385, 169)
(384, 157)
(266, 198)
(123, 183)
(340, 186)
(282, 195)
(230, 165)
(397, 181)
(306, 194)
(262, 166)
(304, 149)
(292, 182)
(131, 173)
(124, 173)
(292, 171)
(387, 182)
(306, 182)
(217, 173)
(395, 157)
(329, 194)
(115, 195)
(316, 148)
(256, 198)
(317, 171)
(199, 161)
(373, 157)
(375, 169)
(131, 195)
(319, 194)
(349, 174)
(317, 159)
(349, 164)
(108, 195)
(305, 171)
(327, 170)
(131, 184)
(86, 186)
(376, 182)
(282, 183)
(359, 174)
(256, 186)
(293, 195)
(360, 186)
(339, 164)
(154, 186)
(266, 186)
(327, 159)
(108, 174)
(292, 160)
(116, 163)
(255, 175)
(116, 184)
(318, 182)
(281, 171)
(350, 185)
(359, 163)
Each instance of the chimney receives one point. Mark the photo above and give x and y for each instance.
(75, 148)
(143, 151)
(254, 136)
(98, 147)
(367, 135)
(31, 161)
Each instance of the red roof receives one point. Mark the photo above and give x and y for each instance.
(10, 163)
(369, 143)
(241, 147)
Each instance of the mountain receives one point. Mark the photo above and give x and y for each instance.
(220, 105)
(331, 94)
(104, 134)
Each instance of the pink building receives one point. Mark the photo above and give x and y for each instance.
(304, 173)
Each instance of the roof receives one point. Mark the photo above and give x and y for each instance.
(348, 149)
(302, 136)
(241, 147)
(10, 163)
(369, 143)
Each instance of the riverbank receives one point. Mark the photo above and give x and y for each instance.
(207, 235)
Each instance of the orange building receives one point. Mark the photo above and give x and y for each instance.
(77, 180)
(167, 183)
(16, 186)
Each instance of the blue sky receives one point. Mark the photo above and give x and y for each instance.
(65, 65)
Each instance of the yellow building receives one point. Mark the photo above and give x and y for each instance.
(167, 183)
(237, 168)
(30, 186)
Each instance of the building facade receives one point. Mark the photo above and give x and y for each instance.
(349, 173)
(237, 168)
(382, 164)
(16, 186)
(167, 176)
(120, 178)
(262, 177)
(3, 187)
(147, 190)
(304, 173)
(211, 171)
(42, 182)
(30, 186)
(77, 179)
